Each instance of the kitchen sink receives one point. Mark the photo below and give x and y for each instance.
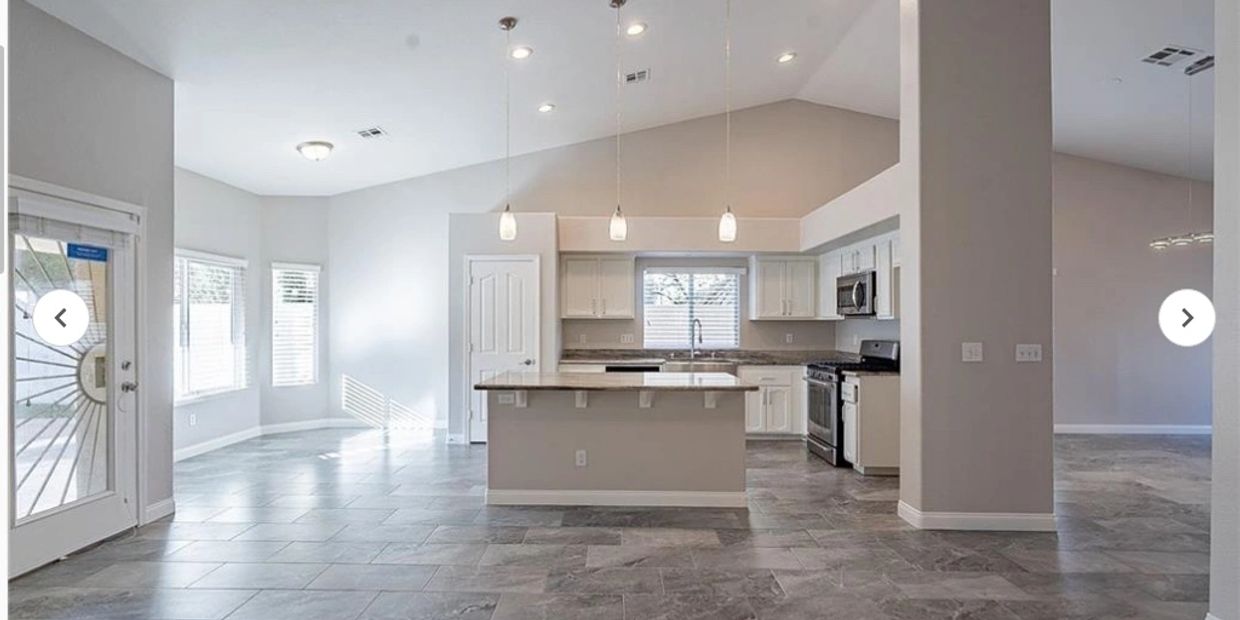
(715, 365)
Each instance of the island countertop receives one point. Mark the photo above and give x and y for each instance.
(619, 382)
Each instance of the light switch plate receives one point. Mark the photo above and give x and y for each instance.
(1028, 352)
(581, 338)
(787, 338)
(971, 352)
(626, 339)
(581, 458)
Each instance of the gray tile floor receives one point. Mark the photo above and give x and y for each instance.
(361, 524)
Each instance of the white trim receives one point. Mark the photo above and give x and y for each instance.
(1133, 429)
(977, 521)
(1210, 616)
(158, 510)
(212, 445)
(211, 257)
(693, 499)
(56, 191)
(297, 266)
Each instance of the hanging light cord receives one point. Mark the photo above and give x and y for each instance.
(619, 79)
(507, 120)
(727, 97)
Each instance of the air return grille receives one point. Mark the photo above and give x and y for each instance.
(1170, 55)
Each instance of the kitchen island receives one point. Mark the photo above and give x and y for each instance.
(616, 439)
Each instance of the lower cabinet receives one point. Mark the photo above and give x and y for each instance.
(778, 407)
(872, 423)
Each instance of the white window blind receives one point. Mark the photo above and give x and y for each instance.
(294, 324)
(672, 299)
(209, 312)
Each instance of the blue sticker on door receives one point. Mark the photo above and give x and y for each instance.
(87, 252)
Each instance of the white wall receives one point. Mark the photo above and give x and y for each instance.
(221, 219)
(85, 117)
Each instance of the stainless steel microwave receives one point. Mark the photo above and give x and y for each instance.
(854, 294)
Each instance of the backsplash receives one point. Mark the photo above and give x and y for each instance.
(850, 332)
(758, 335)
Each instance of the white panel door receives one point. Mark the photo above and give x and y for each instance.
(503, 327)
(755, 410)
(801, 288)
(778, 410)
(579, 294)
(616, 288)
(769, 293)
(73, 427)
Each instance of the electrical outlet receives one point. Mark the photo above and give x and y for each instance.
(581, 458)
(193, 419)
(787, 338)
(970, 351)
(507, 398)
(1028, 352)
(627, 339)
(857, 340)
(581, 339)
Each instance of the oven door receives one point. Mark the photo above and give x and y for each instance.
(822, 424)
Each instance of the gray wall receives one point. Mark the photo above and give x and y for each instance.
(85, 117)
(850, 332)
(1112, 363)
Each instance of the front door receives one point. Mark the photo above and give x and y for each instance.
(72, 433)
(503, 326)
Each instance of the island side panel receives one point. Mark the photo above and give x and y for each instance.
(676, 445)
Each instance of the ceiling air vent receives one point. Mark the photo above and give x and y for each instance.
(637, 77)
(1170, 55)
(372, 133)
(1201, 64)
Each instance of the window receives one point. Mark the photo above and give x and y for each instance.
(674, 298)
(294, 324)
(209, 312)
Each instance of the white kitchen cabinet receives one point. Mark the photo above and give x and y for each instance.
(572, 368)
(829, 270)
(594, 287)
(884, 280)
(778, 407)
(783, 288)
(857, 258)
(872, 423)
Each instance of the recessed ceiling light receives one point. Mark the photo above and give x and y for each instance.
(523, 52)
(315, 150)
(786, 57)
(546, 107)
(635, 29)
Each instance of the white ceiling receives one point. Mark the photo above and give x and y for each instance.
(256, 78)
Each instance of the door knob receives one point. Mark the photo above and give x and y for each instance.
(528, 362)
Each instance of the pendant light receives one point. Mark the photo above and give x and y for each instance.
(727, 221)
(507, 220)
(618, 228)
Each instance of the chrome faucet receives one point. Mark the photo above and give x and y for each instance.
(693, 343)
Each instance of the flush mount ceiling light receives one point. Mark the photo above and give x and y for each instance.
(786, 58)
(546, 108)
(315, 150)
(507, 220)
(522, 52)
(635, 29)
(727, 221)
(617, 228)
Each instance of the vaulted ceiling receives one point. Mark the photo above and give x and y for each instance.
(253, 79)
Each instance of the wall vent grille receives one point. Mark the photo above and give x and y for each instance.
(1170, 55)
(637, 77)
(371, 133)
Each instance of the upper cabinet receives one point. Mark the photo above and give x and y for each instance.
(886, 281)
(830, 268)
(597, 287)
(880, 254)
(783, 287)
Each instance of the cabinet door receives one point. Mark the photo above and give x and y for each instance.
(579, 295)
(801, 288)
(755, 411)
(829, 269)
(778, 410)
(865, 256)
(895, 249)
(850, 432)
(615, 278)
(883, 281)
(769, 289)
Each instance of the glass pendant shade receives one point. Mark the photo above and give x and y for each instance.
(618, 229)
(727, 226)
(507, 224)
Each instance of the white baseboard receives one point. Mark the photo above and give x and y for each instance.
(256, 431)
(1210, 616)
(456, 438)
(977, 521)
(158, 510)
(1133, 429)
(693, 499)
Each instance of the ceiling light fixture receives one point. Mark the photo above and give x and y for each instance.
(546, 108)
(507, 220)
(522, 52)
(618, 227)
(315, 150)
(727, 221)
(635, 29)
(786, 58)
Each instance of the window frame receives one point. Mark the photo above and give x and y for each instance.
(738, 272)
(317, 269)
(181, 328)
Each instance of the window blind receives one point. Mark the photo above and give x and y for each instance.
(209, 312)
(673, 299)
(294, 324)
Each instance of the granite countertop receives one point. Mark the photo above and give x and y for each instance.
(742, 357)
(619, 382)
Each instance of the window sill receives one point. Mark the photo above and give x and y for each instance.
(207, 396)
(294, 385)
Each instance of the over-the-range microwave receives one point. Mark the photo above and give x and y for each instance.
(854, 294)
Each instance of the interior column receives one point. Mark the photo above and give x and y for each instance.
(975, 149)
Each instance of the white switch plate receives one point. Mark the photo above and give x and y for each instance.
(1028, 352)
(970, 351)
(626, 339)
(787, 338)
(581, 458)
(193, 419)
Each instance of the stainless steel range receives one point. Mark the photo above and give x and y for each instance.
(826, 418)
